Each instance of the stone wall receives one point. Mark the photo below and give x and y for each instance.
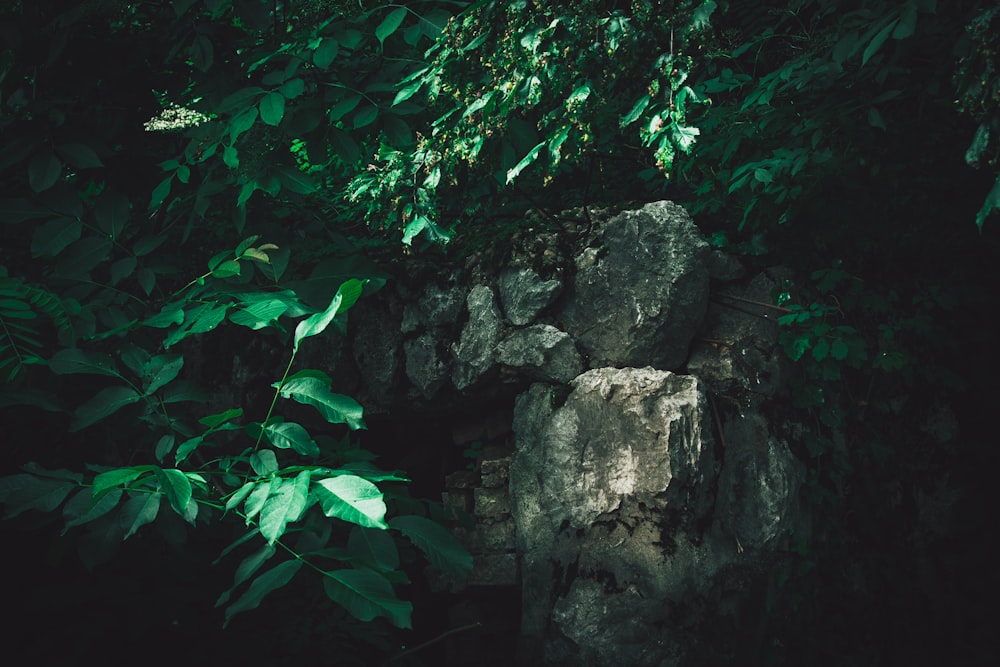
(635, 493)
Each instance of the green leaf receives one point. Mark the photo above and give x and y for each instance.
(112, 213)
(839, 349)
(532, 155)
(292, 88)
(111, 479)
(138, 511)
(264, 584)
(43, 171)
(161, 370)
(438, 544)
(82, 508)
(73, 360)
(80, 156)
(247, 566)
(352, 499)
(317, 323)
(408, 91)
(636, 112)
(390, 24)
(284, 506)
(325, 53)
(284, 435)
(365, 117)
(231, 157)
(373, 548)
(201, 319)
(264, 462)
(176, 486)
(107, 402)
(242, 122)
(335, 408)
(367, 595)
(258, 496)
(216, 420)
(23, 492)
(877, 41)
(160, 193)
(272, 108)
(295, 180)
(52, 237)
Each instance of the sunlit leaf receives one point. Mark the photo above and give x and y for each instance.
(352, 499)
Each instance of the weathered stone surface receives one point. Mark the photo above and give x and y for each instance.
(590, 482)
(640, 298)
(425, 368)
(475, 353)
(759, 484)
(524, 294)
(436, 306)
(541, 352)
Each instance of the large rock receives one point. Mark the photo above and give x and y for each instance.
(593, 484)
(542, 353)
(639, 299)
(476, 351)
(524, 294)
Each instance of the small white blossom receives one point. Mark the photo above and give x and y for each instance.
(175, 118)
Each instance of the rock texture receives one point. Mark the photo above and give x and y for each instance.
(640, 298)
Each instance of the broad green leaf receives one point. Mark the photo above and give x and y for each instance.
(82, 508)
(139, 510)
(408, 91)
(478, 104)
(317, 323)
(762, 175)
(264, 462)
(292, 88)
(112, 213)
(284, 506)
(352, 499)
(240, 99)
(373, 548)
(213, 421)
(200, 319)
(365, 117)
(161, 370)
(170, 314)
(877, 41)
(176, 486)
(839, 349)
(80, 156)
(344, 107)
(438, 544)
(239, 495)
(390, 24)
(74, 360)
(325, 53)
(260, 314)
(413, 228)
(185, 449)
(247, 566)
(231, 157)
(907, 22)
(51, 237)
(242, 122)
(272, 108)
(532, 155)
(43, 171)
(23, 492)
(105, 403)
(160, 193)
(367, 595)
(257, 498)
(295, 180)
(164, 446)
(284, 435)
(636, 112)
(266, 583)
(122, 269)
(335, 408)
(111, 479)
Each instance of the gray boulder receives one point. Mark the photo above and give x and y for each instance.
(542, 353)
(475, 353)
(640, 299)
(524, 294)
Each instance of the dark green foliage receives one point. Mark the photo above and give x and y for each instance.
(184, 175)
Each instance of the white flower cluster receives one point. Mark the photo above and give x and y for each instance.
(175, 118)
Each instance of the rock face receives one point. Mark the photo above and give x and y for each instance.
(619, 527)
(638, 511)
(641, 297)
(592, 483)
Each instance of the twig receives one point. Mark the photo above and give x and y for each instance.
(435, 640)
(756, 303)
